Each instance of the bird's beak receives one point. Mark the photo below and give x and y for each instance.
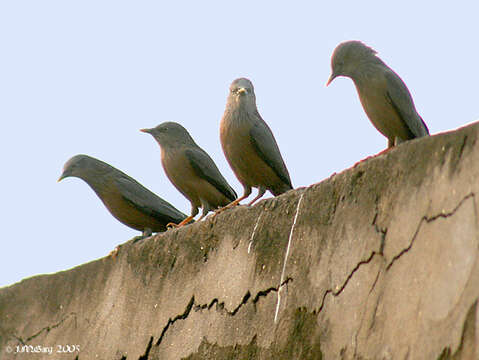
(62, 176)
(146, 131)
(242, 91)
(331, 78)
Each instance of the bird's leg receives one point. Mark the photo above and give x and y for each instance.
(391, 143)
(183, 223)
(206, 210)
(261, 191)
(230, 205)
(194, 212)
(146, 233)
(397, 141)
(247, 192)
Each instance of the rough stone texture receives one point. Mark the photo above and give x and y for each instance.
(381, 263)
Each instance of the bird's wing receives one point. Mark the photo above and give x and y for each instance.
(265, 144)
(146, 201)
(400, 98)
(206, 169)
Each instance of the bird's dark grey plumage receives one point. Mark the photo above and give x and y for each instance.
(384, 96)
(191, 169)
(126, 199)
(249, 144)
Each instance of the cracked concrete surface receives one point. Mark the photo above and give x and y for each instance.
(377, 262)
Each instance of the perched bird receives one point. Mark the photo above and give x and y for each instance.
(249, 145)
(191, 170)
(126, 199)
(384, 96)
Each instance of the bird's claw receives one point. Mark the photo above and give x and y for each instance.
(171, 226)
(220, 210)
(216, 212)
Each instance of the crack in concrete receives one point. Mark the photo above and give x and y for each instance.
(468, 338)
(147, 351)
(46, 328)
(343, 286)
(380, 230)
(374, 283)
(463, 145)
(170, 322)
(383, 232)
(426, 219)
(364, 315)
(220, 306)
(265, 293)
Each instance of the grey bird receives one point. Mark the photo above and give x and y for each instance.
(191, 170)
(126, 199)
(383, 95)
(249, 145)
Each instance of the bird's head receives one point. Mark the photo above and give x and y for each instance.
(241, 91)
(347, 57)
(77, 166)
(170, 134)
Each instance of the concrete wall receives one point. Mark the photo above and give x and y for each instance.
(378, 262)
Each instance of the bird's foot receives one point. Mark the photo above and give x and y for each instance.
(181, 224)
(172, 226)
(224, 208)
(147, 232)
(217, 211)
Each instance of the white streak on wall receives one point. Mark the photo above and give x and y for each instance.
(254, 231)
(286, 258)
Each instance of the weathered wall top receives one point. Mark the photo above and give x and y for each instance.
(377, 262)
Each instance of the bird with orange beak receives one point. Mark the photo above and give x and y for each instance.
(383, 95)
(249, 145)
(191, 170)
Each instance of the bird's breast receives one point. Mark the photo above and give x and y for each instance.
(175, 164)
(234, 134)
(179, 171)
(373, 96)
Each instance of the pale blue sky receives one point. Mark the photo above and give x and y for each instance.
(85, 76)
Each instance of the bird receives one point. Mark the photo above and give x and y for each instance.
(125, 198)
(191, 170)
(383, 95)
(249, 145)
